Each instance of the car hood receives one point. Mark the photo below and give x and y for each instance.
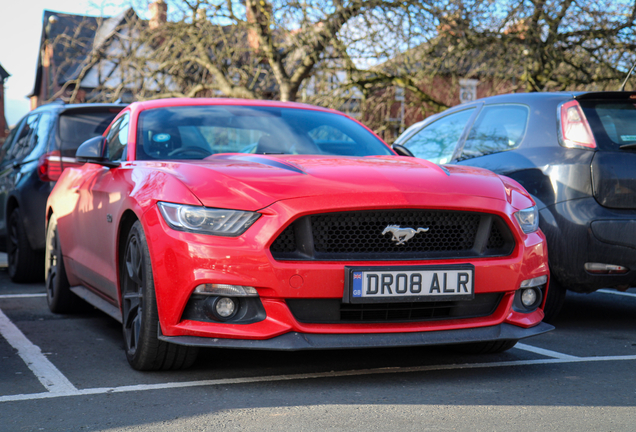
(252, 182)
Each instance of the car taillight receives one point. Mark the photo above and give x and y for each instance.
(575, 131)
(50, 166)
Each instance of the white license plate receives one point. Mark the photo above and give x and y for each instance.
(422, 283)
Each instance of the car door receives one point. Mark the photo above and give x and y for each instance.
(438, 141)
(95, 231)
(495, 142)
(498, 129)
(6, 167)
(15, 149)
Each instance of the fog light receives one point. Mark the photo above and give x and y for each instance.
(599, 268)
(528, 297)
(225, 307)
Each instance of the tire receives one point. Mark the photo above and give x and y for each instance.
(25, 264)
(144, 350)
(58, 294)
(492, 347)
(554, 301)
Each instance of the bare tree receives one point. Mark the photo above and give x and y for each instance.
(354, 54)
(536, 44)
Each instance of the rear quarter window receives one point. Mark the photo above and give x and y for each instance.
(498, 128)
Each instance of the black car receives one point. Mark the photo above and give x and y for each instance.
(32, 158)
(576, 155)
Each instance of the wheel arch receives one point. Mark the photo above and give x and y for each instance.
(126, 222)
(12, 204)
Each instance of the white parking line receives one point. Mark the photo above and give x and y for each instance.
(626, 294)
(50, 377)
(12, 296)
(231, 381)
(59, 386)
(545, 352)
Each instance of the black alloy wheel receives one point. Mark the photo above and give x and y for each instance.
(58, 294)
(140, 317)
(25, 264)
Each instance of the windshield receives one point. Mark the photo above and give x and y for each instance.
(195, 132)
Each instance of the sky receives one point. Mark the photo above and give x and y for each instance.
(20, 32)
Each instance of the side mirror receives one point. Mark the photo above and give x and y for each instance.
(92, 151)
(402, 151)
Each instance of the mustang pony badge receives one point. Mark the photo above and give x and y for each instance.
(402, 235)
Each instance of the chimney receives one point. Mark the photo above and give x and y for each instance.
(254, 19)
(252, 36)
(158, 14)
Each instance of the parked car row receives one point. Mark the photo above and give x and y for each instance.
(270, 225)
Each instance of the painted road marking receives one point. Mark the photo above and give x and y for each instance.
(12, 296)
(59, 386)
(50, 377)
(626, 294)
(275, 378)
(544, 352)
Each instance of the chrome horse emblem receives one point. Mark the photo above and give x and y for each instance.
(402, 235)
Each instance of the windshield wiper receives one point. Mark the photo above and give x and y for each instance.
(631, 146)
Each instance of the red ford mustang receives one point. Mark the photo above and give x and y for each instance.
(267, 225)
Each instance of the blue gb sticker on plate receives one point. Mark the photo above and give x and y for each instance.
(357, 284)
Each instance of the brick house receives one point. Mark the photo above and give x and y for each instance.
(4, 128)
(66, 48)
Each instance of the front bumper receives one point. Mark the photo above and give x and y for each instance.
(181, 261)
(307, 341)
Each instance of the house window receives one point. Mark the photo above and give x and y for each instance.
(467, 90)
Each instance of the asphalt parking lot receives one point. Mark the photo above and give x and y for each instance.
(70, 373)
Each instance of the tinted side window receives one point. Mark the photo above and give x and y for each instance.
(498, 128)
(6, 147)
(24, 141)
(613, 122)
(41, 134)
(117, 139)
(76, 127)
(437, 141)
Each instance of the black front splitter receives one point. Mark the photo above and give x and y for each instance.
(294, 341)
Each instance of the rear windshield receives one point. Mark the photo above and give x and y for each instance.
(195, 132)
(75, 127)
(613, 123)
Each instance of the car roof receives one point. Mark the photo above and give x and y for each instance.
(60, 107)
(526, 96)
(517, 97)
(174, 102)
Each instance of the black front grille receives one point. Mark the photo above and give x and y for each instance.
(367, 235)
(334, 311)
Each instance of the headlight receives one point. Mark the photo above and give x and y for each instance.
(202, 220)
(528, 219)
